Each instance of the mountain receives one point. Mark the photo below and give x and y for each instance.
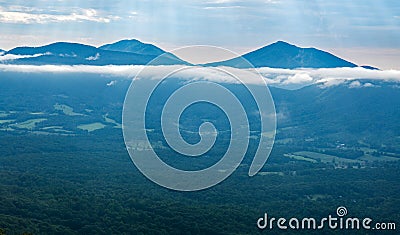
(284, 55)
(80, 54)
(137, 47)
(341, 109)
(133, 46)
(369, 67)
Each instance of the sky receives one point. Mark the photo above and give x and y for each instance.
(366, 32)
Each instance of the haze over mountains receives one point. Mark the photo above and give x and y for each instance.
(133, 52)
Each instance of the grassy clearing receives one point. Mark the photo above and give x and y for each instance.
(6, 121)
(370, 158)
(325, 158)
(28, 124)
(284, 141)
(52, 127)
(92, 126)
(6, 129)
(316, 197)
(112, 121)
(67, 110)
(56, 129)
(271, 173)
(300, 158)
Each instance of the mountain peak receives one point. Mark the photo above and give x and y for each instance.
(54, 48)
(281, 43)
(133, 46)
(285, 55)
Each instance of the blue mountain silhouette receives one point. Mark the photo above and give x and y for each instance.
(284, 55)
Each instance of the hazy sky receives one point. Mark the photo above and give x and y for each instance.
(363, 31)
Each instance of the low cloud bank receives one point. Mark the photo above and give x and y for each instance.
(8, 57)
(278, 77)
(327, 76)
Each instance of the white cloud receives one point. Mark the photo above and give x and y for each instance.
(21, 15)
(355, 84)
(8, 57)
(221, 1)
(329, 82)
(68, 55)
(196, 73)
(222, 7)
(242, 1)
(95, 57)
(127, 71)
(112, 83)
(355, 77)
(327, 76)
(298, 78)
(368, 84)
(133, 14)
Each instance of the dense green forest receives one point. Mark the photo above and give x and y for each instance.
(64, 168)
(88, 185)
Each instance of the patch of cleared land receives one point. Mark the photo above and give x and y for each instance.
(269, 134)
(92, 126)
(6, 129)
(56, 129)
(325, 158)
(300, 158)
(380, 158)
(28, 124)
(315, 197)
(67, 110)
(52, 127)
(6, 121)
(112, 121)
(3, 114)
(270, 173)
(284, 141)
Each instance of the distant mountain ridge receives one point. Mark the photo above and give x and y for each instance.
(134, 52)
(284, 55)
(79, 54)
(133, 46)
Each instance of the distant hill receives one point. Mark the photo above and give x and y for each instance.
(137, 47)
(284, 55)
(369, 67)
(133, 46)
(80, 54)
